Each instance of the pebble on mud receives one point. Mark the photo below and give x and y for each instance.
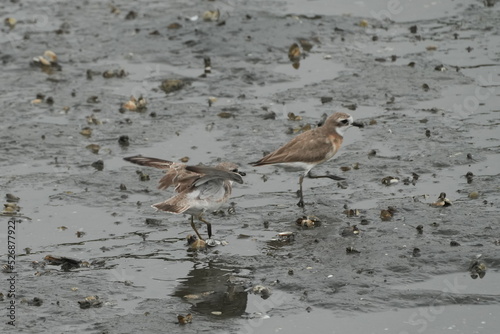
(124, 141)
(12, 198)
(98, 165)
(172, 85)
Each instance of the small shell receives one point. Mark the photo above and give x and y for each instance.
(130, 105)
(185, 319)
(211, 15)
(51, 56)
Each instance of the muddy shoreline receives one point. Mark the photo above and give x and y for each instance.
(425, 86)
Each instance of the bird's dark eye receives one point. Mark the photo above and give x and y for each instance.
(344, 121)
(235, 170)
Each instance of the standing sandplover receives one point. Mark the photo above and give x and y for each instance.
(311, 148)
(199, 188)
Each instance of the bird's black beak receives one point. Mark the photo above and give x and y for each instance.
(357, 124)
(242, 173)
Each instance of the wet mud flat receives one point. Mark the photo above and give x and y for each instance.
(427, 91)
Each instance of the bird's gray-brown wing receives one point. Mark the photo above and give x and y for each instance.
(149, 162)
(176, 174)
(179, 177)
(176, 204)
(308, 147)
(211, 173)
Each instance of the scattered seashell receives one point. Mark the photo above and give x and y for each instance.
(309, 221)
(225, 114)
(262, 290)
(431, 48)
(211, 15)
(477, 269)
(94, 148)
(216, 312)
(388, 180)
(211, 100)
(442, 201)
(93, 120)
(474, 195)
(286, 236)
(294, 53)
(212, 242)
(86, 132)
(130, 106)
(174, 25)
(51, 56)
(387, 214)
(293, 117)
(90, 302)
(363, 23)
(10, 22)
(351, 250)
(350, 231)
(195, 243)
(352, 212)
(185, 319)
(143, 176)
(66, 263)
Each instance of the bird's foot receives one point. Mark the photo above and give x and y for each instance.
(336, 178)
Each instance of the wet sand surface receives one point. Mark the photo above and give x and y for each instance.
(424, 79)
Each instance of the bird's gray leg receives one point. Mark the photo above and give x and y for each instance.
(301, 200)
(194, 228)
(209, 226)
(333, 177)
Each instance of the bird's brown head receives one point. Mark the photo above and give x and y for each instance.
(341, 121)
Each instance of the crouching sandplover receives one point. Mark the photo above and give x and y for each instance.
(200, 188)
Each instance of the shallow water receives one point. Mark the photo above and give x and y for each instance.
(139, 264)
